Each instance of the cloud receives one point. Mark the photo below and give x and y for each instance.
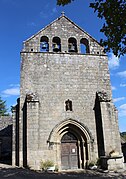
(14, 85)
(122, 74)
(113, 88)
(54, 10)
(118, 99)
(123, 85)
(113, 61)
(122, 110)
(32, 24)
(123, 107)
(45, 13)
(15, 91)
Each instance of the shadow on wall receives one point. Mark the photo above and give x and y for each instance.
(6, 145)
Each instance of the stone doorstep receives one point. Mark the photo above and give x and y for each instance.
(71, 170)
(6, 166)
(51, 169)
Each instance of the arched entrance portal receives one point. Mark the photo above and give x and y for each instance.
(72, 142)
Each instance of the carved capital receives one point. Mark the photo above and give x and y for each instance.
(103, 96)
(32, 97)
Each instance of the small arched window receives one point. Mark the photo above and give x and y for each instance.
(44, 44)
(84, 46)
(68, 104)
(56, 44)
(72, 44)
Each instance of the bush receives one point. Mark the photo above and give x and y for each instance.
(56, 168)
(98, 163)
(91, 163)
(95, 163)
(44, 165)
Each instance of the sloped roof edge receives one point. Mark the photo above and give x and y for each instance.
(57, 20)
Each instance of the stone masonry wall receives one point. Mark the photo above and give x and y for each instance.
(56, 78)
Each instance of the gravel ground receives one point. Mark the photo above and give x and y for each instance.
(8, 172)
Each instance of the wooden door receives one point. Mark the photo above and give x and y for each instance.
(69, 158)
(69, 154)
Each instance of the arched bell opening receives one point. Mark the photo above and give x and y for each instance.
(72, 44)
(84, 46)
(56, 44)
(44, 44)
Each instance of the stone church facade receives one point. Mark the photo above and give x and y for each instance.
(65, 112)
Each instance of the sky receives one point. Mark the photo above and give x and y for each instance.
(20, 19)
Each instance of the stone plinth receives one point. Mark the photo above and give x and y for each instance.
(112, 163)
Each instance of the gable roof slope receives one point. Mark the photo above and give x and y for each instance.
(62, 16)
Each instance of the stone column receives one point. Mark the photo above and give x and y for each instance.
(32, 133)
(50, 45)
(116, 129)
(78, 46)
(79, 153)
(0, 148)
(106, 121)
(14, 137)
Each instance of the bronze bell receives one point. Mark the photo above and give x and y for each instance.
(44, 45)
(55, 46)
(71, 47)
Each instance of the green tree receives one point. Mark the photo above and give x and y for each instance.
(3, 109)
(123, 134)
(114, 28)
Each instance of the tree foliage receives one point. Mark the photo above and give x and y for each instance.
(114, 28)
(123, 134)
(63, 2)
(3, 109)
